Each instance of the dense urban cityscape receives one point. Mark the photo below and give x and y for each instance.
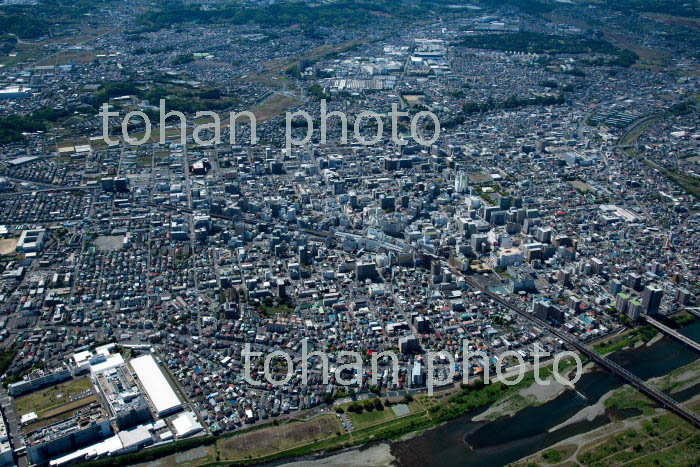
(182, 183)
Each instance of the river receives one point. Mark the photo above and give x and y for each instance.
(464, 442)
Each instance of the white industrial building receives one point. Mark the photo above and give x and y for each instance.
(186, 424)
(102, 359)
(156, 385)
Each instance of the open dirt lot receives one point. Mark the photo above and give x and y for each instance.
(7, 246)
(278, 438)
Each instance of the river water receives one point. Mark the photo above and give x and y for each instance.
(463, 442)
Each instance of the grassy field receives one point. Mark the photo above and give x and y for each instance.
(642, 333)
(278, 438)
(269, 108)
(374, 417)
(664, 437)
(31, 50)
(679, 379)
(688, 22)
(554, 456)
(270, 75)
(628, 398)
(272, 107)
(370, 418)
(648, 58)
(581, 186)
(42, 402)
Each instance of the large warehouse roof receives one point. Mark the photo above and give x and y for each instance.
(186, 424)
(157, 387)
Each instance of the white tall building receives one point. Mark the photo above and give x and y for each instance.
(461, 182)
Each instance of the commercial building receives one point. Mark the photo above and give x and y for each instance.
(157, 388)
(634, 309)
(408, 344)
(15, 92)
(417, 374)
(365, 271)
(506, 257)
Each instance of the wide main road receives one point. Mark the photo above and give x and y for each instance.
(661, 398)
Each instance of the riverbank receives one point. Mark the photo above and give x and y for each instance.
(643, 440)
(414, 416)
(586, 414)
(530, 396)
(509, 438)
(634, 337)
(379, 455)
(582, 446)
(680, 379)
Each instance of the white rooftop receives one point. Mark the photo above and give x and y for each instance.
(110, 362)
(108, 446)
(156, 385)
(186, 424)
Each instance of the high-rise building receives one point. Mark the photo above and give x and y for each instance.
(365, 271)
(651, 299)
(634, 281)
(543, 234)
(409, 344)
(634, 309)
(303, 255)
(107, 184)
(417, 374)
(621, 302)
(683, 296)
(461, 182)
(120, 184)
(615, 287)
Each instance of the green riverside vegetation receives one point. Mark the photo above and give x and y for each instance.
(640, 334)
